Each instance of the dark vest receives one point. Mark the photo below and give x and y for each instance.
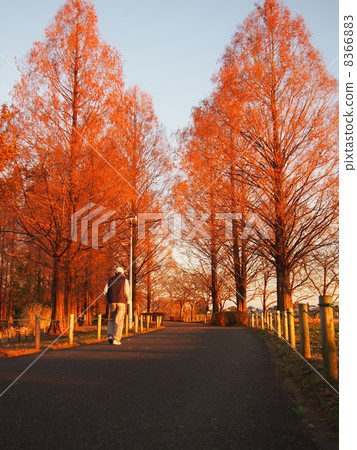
(115, 292)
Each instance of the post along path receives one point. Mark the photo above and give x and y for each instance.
(187, 386)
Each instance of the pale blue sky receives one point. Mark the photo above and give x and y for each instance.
(170, 48)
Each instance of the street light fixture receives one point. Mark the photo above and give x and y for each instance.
(131, 219)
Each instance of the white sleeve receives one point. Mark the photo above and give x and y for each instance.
(105, 289)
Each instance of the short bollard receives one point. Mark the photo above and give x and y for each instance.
(328, 337)
(271, 328)
(141, 324)
(252, 320)
(38, 332)
(70, 330)
(136, 324)
(147, 323)
(291, 324)
(262, 320)
(99, 328)
(278, 324)
(305, 349)
(285, 321)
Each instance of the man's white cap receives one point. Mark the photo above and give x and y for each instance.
(119, 270)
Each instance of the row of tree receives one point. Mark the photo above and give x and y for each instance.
(262, 154)
(255, 178)
(74, 136)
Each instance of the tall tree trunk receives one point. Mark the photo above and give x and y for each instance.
(148, 292)
(135, 302)
(214, 284)
(57, 298)
(71, 298)
(283, 287)
(243, 278)
(236, 262)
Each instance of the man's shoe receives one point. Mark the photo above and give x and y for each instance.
(115, 342)
(110, 339)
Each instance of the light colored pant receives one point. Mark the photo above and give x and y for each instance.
(116, 321)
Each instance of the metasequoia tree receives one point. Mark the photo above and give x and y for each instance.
(70, 82)
(236, 194)
(290, 126)
(139, 148)
(198, 195)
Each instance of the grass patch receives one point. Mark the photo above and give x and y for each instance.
(83, 336)
(292, 368)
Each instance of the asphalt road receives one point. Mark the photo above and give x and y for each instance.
(185, 387)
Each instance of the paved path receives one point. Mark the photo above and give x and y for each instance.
(184, 387)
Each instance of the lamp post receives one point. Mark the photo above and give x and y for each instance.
(131, 220)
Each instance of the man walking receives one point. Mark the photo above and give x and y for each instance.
(117, 293)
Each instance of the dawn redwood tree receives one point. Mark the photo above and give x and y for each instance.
(139, 147)
(290, 126)
(198, 195)
(236, 193)
(70, 82)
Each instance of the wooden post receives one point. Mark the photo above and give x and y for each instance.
(38, 332)
(328, 337)
(141, 324)
(147, 322)
(262, 320)
(285, 319)
(304, 331)
(99, 328)
(271, 328)
(252, 320)
(291, 327)
(278, 324)
(70, 331)
(136, 324)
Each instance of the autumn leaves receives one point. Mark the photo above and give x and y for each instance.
(260, 151)
(81, 138)
(264, 145)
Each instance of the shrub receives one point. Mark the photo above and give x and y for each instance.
(228, 318)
